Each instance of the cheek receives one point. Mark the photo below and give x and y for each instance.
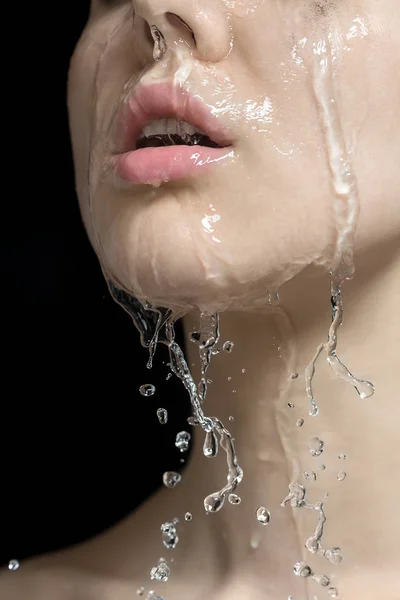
(81, 91)
(98, 66)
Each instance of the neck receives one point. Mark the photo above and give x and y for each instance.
(254, 384)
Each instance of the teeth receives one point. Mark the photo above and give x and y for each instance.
(169, 126)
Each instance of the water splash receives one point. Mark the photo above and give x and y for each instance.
(316, 446)
(207, 338)
(160, 46)
(211, 425)
(273, 298)
(210, 446)
(153, 596)
(161, 572)
(263, 515)
(169, 535)
(297, 499)
(162, 416)
(155, 325)
(182, 441)
(215, 501)
(181, 369)
(147, 389)
(234, 499)
(228, 346)
(334, 555)
(301, 569)
(171, 479)
(148, 321)
(365, 389)
(13, 565)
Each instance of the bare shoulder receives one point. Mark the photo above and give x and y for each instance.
(37, 581)
(54, 579)
(26, 584)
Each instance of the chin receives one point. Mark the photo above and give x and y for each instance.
(182, 275)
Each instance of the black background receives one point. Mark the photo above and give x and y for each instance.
(80, 447)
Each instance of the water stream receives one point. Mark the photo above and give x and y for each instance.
(156, 325)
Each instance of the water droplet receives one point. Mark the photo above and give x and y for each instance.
(192, 421)
(322, 580)
(342, 456)
(294, 375)
(140, 591)
(161, 572)
(300, 422)
(182, 440)
(231, 418)
(234, 499)
(229, 378)
(228, 346)
(210, 447)
(296, 495)
(147, 389)
(169, 536)
(333, 592)
(195, 336)
(334, 555)
(302, 570)
(153, 596)
(290, 405)
(273, 298)
(243, 370)
(310, 475)
(213, 503)
(316, 446)
(162, 415)
(263, 515)
(188, 516)
(209, 381)
(341, 476)
(168, 377)
(160, 46)
(13, 565)
(322, 467)
(171, 479)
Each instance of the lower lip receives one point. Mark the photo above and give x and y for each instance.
(168, 163)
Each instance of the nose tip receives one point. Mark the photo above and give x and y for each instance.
(205, 30)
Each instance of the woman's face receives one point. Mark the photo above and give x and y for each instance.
(300, 103)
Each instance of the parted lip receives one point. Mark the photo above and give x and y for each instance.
(147, 103)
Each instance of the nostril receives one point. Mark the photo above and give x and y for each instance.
(176, 21)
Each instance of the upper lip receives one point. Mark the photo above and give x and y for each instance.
(146, 103)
